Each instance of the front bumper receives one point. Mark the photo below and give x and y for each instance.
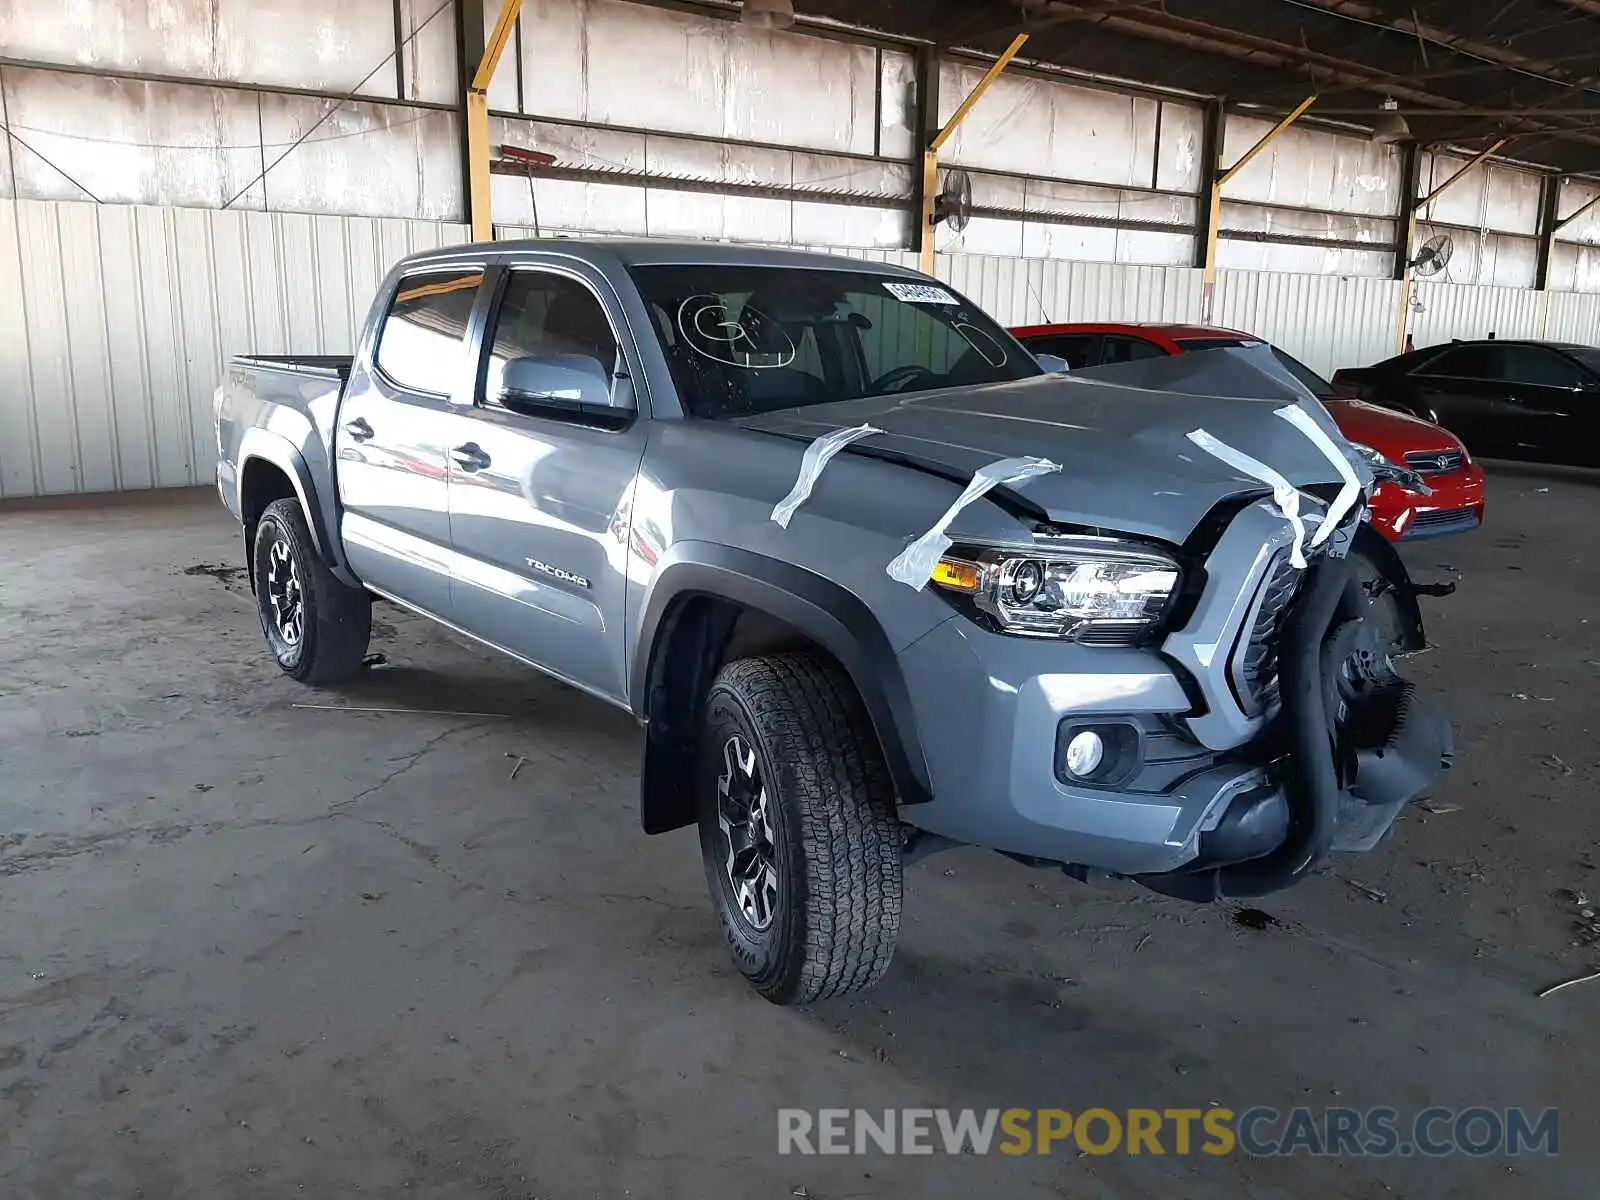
(1212, 781)
(1456, 506)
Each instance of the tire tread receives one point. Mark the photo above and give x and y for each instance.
(821, 742)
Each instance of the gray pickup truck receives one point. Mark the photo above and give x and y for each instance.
(875, 582)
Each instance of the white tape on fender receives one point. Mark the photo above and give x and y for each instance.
(816, 457)
(914, 565)
(1284, 493)
(1306, 424)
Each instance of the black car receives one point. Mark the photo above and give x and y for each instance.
(1504, 399)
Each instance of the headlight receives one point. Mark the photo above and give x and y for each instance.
(1385, 471)
(1082, 589)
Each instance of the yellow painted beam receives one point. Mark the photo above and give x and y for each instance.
(479, 200)
(1214, 199)
(1266, 140)
(504, 29)
(977, 92)
(478, 187)
(930, 192)
(930, 156)
(1476, 159)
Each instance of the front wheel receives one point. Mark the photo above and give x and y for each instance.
(798, 828)
(316, 626)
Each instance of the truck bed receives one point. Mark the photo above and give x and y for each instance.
(329, 365)
(287, 405)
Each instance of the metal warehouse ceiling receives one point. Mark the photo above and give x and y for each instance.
(1464, 72)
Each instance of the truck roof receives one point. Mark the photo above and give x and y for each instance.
(632, 252)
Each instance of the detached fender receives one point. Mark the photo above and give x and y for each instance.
(823, 611)
(1380, 552)
(262, 445)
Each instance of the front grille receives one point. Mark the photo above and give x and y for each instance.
(1435, 462)
(1444, 520)
(1255, 666)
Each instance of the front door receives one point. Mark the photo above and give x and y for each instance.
(395, 422)
(1550, 406)
(1461, 389)
(539, 499)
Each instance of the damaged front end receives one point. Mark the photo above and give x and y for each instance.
(1350, 744)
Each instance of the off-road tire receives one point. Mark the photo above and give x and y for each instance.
(337, 618)
(835, 834)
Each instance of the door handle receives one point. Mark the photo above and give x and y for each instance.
(359, 430)
(470, 457)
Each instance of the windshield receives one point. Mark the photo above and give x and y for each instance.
(1309, 379)
(743, 340)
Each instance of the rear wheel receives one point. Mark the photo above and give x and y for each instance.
(316, 626)
(798, 828)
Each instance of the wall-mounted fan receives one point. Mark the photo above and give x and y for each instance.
(1434, 255)
(953, 204)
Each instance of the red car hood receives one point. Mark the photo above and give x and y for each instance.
(1391, 434)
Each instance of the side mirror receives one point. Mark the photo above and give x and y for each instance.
(534, 385)
(1052, 363)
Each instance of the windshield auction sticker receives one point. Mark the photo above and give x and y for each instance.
(919, 293)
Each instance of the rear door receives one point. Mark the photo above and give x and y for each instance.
(395, 424)
(540, 488)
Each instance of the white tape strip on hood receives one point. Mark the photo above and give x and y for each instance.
(914, 565)
(1283, 492)
(816, 457)
(1306, 424)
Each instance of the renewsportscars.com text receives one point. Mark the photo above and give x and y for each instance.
(1260, 1132)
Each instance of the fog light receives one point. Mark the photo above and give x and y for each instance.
(1084, 753)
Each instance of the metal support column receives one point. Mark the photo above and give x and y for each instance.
(1214, 217)
(469, 53)
(479, 58)
(930, 156)
(1405, 224)
(1408, 245)
(1216, 113)
(924, 130)
(1549, 197)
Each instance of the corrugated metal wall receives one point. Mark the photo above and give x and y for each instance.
(119, 319)
(124, 316)
(1573, 317)
(1447, 310)
(1326, 321)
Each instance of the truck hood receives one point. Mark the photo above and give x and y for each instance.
(1127, 463)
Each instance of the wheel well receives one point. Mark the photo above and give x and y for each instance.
(262, 483)
(697, 636)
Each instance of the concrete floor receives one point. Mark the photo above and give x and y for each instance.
(250, 949)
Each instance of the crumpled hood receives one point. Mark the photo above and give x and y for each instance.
(1127, 463)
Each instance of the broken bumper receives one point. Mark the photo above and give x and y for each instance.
(1196, 779)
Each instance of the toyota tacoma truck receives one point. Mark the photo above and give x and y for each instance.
(874, 581)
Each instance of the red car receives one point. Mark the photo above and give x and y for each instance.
(1392, 443)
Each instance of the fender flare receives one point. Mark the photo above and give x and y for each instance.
(825, 612)
(279, 451)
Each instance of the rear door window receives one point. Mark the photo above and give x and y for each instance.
(1080, 350)
(1119, 349)
(1541, 368)
(420, 347)
(1479, 361)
